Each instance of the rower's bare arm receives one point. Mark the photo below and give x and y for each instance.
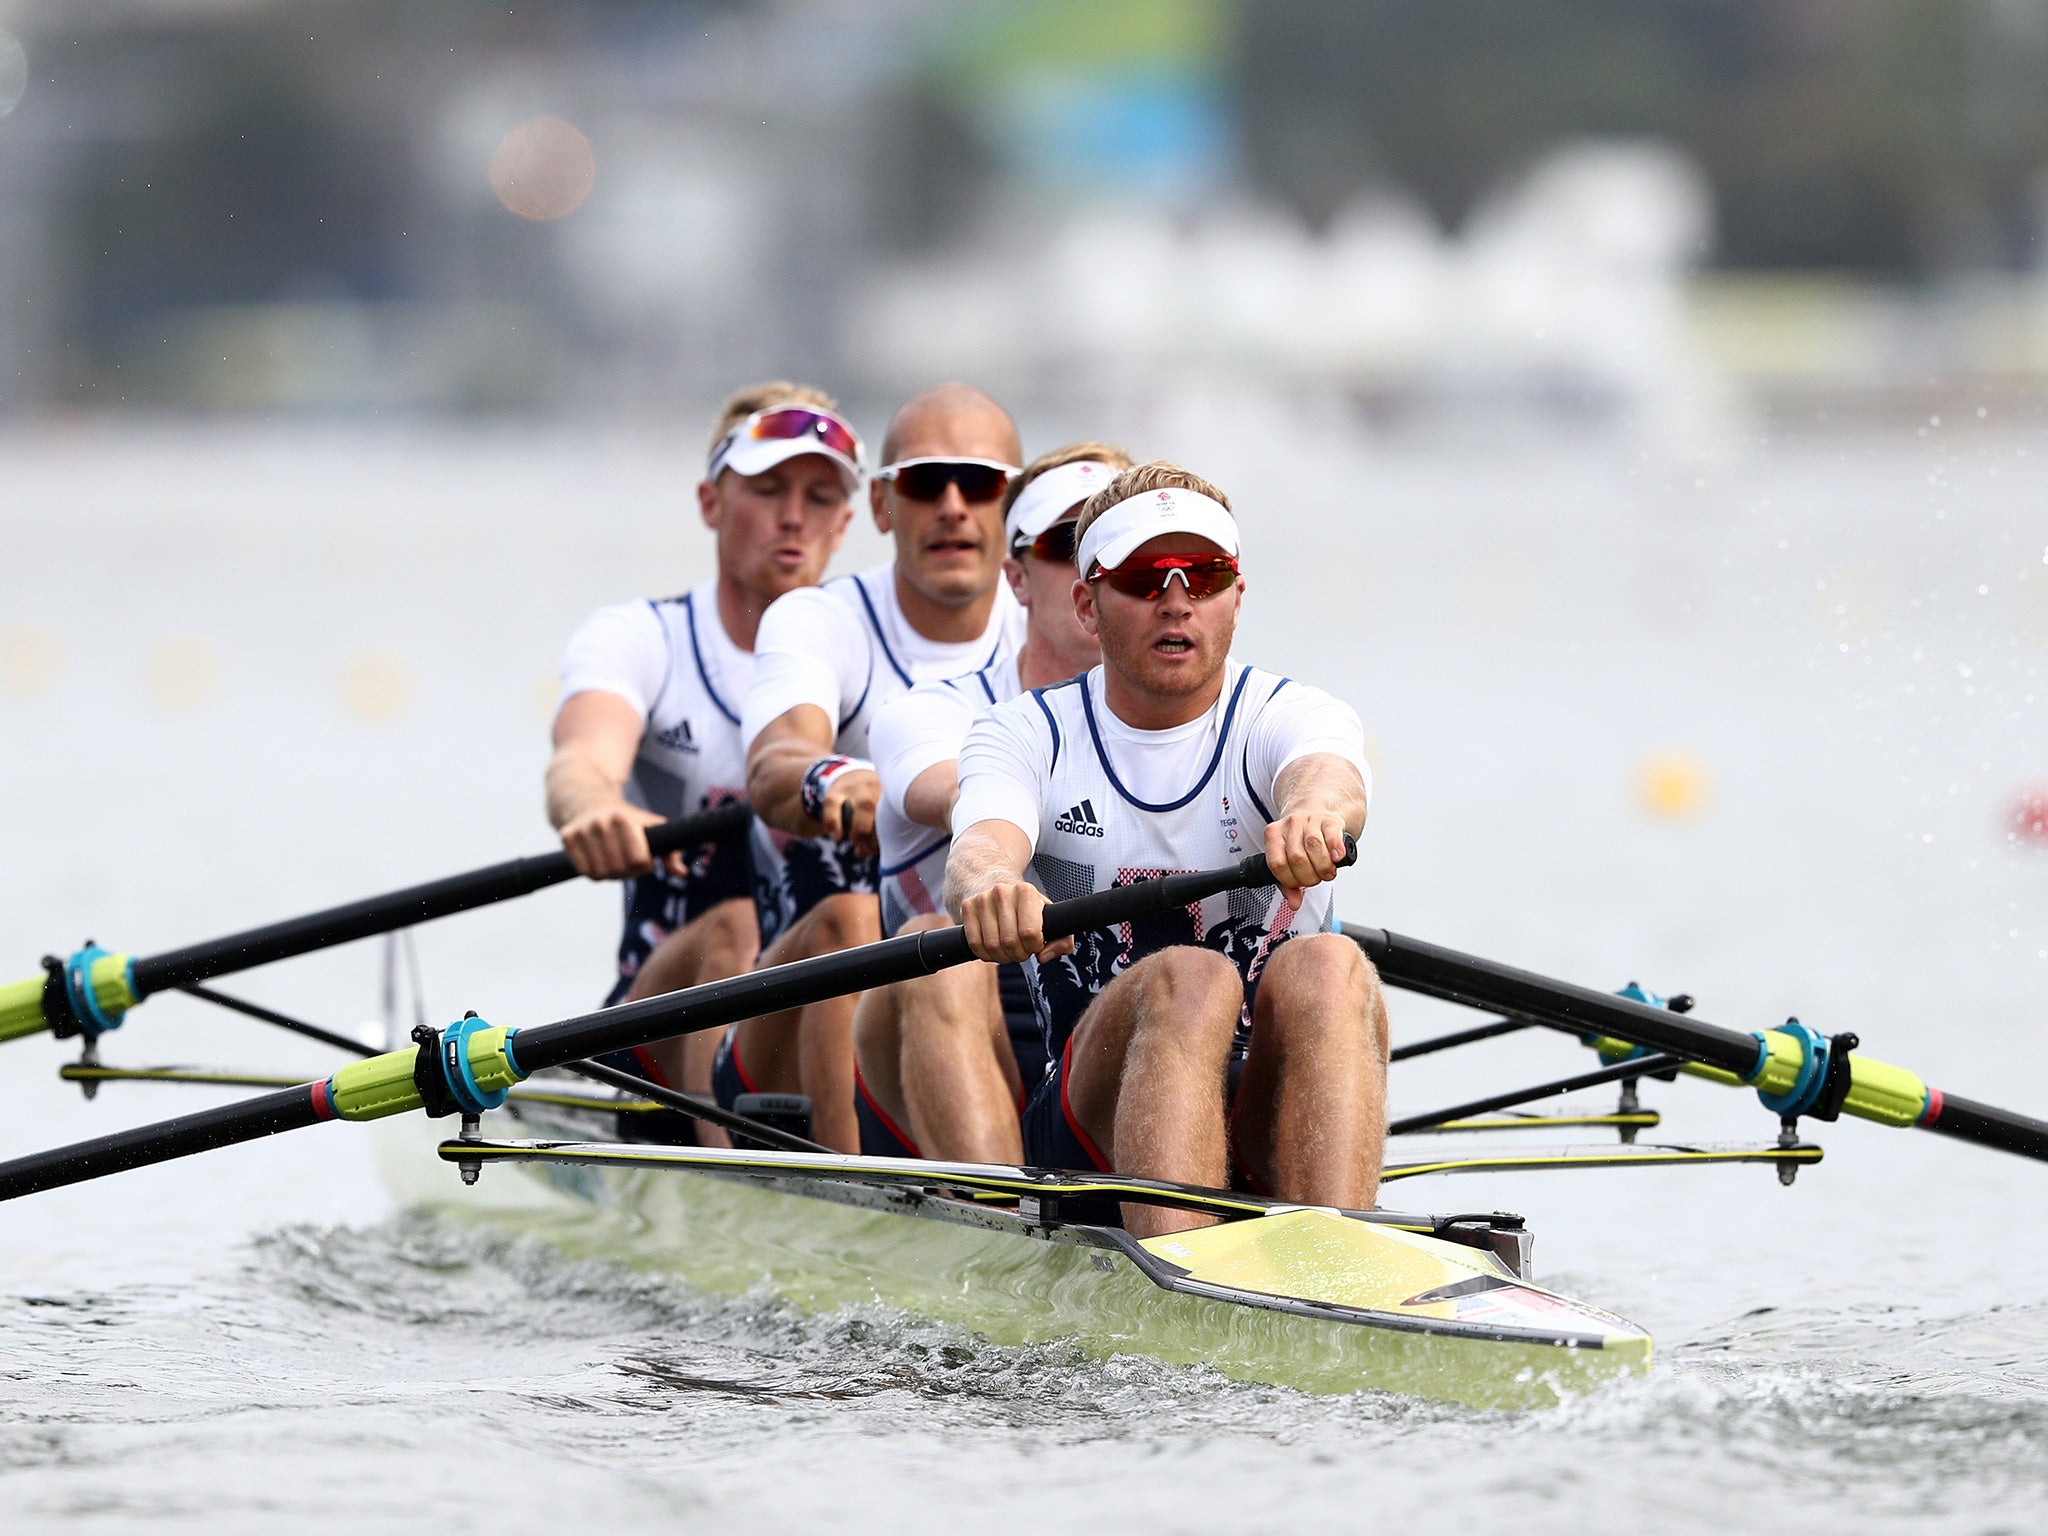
(929, 799)
(1321, 800)
(1002, 912)
(597, 735)
(782, 754)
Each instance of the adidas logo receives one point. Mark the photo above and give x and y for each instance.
(678, 737)
(1081, 821)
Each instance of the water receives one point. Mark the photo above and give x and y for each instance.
(246, 674)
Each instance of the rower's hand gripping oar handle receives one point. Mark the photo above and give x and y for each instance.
(1122, 903)
(88, 993)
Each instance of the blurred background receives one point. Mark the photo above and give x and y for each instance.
(613, 207)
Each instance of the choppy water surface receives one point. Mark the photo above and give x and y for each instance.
(326, 682)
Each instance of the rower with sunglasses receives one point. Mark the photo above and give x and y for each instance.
(649, 724)
(825, 661)
(942, 1062)
(1236, 1038)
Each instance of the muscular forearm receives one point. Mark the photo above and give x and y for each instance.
(1002, 912)
(578, 784)
(1323, 784)
(780, 761)
(929, 800)
(775, 781)
(977, 863)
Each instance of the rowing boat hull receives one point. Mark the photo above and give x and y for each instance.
(1308, 1299)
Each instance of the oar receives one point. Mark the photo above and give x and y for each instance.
(1795, 1070)
(477, 1063)
(89, 993)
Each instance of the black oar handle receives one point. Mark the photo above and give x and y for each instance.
(401, 909)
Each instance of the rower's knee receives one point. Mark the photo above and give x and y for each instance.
(1186, 988)
(843, 921)
(732, 938)
(1332, 980)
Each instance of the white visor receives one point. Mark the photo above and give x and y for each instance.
(1112, 537)
(758, 455)
(1054, 494)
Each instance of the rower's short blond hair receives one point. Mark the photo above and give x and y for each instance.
(1157, 475)
(742, 403)
(1073, 453)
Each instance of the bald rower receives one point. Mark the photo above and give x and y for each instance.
(825, 660)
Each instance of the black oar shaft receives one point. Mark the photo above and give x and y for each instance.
(282, 1020)
(1880, 1092)
(1990, 1126)
(402, 909)
(1455, 1038)
(706, 1110)
(289, 1109)
(1640, 1066)
(784, 987)
(1417, 966)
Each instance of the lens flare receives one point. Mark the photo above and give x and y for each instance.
(183, 674)
(1672, 786)
(543, 169)
(2027, 819)
(377, 688)
(31, 660)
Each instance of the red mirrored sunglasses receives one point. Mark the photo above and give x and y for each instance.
(1055, 545)
(1147, 579)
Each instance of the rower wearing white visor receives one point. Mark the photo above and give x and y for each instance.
(826, 660)
(1237, 1038)
(944, 1061)
(649, 723)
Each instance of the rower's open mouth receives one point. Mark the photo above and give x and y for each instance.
(1173, 645)
(952, 547)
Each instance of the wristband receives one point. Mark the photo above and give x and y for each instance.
(818, 778)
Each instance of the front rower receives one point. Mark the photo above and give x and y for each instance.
(1241, 1036)
(942, 1060)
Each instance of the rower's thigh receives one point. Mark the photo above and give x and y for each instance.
(1184, 998)
(878, 1022)
(710, 947)
(841, 921)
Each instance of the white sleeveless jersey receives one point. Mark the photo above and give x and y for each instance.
(846, 648)
(1094, 830)
(673, 661)
(916, 731)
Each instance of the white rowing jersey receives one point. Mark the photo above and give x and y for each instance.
(674, 663)
(1105, 805)
(846, 648)
(912, 733)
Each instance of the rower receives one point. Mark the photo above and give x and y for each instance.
(1242, 1038)
(942, 1062)
(826, 661)
(649, 724)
